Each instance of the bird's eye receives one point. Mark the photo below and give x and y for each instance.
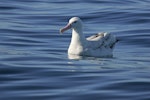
(75, 21)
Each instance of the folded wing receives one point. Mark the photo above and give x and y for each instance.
(101, 40)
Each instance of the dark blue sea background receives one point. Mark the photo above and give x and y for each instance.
(34, 64)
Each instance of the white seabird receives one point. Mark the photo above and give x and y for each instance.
(99, 45)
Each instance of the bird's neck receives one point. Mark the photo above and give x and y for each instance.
(78, 37)
(78, 42)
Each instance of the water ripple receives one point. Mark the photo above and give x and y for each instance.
(34, 63)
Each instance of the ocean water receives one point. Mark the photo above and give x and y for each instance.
(34, 64)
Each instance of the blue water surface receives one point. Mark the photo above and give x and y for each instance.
(34, 64)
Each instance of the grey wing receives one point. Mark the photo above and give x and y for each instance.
(96, 41)
(96, 37)
(101, 40)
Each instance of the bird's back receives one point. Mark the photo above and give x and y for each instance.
(101, 44)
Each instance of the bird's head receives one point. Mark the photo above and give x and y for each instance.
(74, 23)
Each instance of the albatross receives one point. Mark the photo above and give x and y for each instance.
(98, 45)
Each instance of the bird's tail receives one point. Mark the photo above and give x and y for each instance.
(110, 40)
